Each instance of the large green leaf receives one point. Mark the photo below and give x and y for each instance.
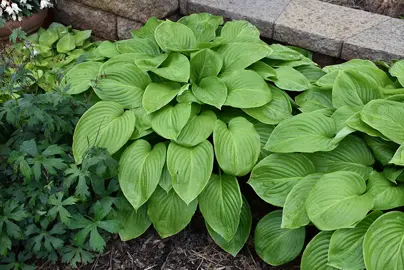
(157, 95)
(211, 91)
(306, 132)
(352, 154)
(383, 245)
(358, 124)
(123, 83)
(176, 37)
(382, 150)
(274, 176)
(275, 245)
(397, 70)
(81, 36)
(149, 62)
(354, 63)
(338, 200)
(107, 49)
(246, 89)
(386, 117)
(105, 125)
(78, 79)
(288, 78)
(48, 37)
(220, 204)
(353, 88)
(190, 168)
(315, 256)
(239, 55)
(346, 250)
(175, 68)
(143, 124)
(272, 113)
(198, 129)
(147, 30)
(314, 99)
(264, 131)
(294, 215)
(133, 222)
(170, 120)
(138, 45)
(66, 44)
(311, 72)
(203, 25)
(398, 158)
(237, 146)
(240, 238)
(284, 53)
(168, 213)
(205, 63)
(166, 181)
(387, 195)
(342, 114)
(238, 30)
(140, 169)
(264, 70)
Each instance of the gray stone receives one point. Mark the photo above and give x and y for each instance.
(320, 26)
(381, 42)
(137, 10)
(124, 26)
(261, 13)
(80, 16)
(184, 7)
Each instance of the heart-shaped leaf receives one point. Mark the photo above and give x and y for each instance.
(78, 79)
(205, 63)
(211, 90)
(157, 95)
(387, 195)
(315, 256)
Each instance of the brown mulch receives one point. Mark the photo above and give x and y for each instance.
(357, 4)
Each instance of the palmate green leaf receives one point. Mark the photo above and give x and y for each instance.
(387, 195)
(275, 111)
(133, 223)
(293, 214)
(381, 149)
(203, 25)
(78, 79)
(205, 63)
(107, 49)
(211, 91)
(198, 129)
(166, 181)
(315, 256)
(66, 44)
(345, 250)
(238, 30)
(168, 213)
(138, 45)
(398, 158)
(288, 78)
(306, 132)
(123, 83)
(275, 245)
(352, 154)
(338, 200)
(105, 125)
(190, 168)
(397, 70)
(140, 169)
(274, 176)
(240, 55)
(246, 89)
(157, 95)
(264, 70)
(220, 204)
(314, 99)
(352, 88)
(175, 37)
(386, 117)
(169, 121)
(237, 146)
(383, 244)
(240, 238)
(175, 68)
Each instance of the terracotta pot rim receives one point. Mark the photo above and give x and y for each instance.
(29, 24)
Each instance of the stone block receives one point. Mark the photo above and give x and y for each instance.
(320, 26)
(103, 24)
(124, 26)
(384, 41)
(184, 7)
(261, 13)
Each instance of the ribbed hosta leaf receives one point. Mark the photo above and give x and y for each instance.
(314, 99)
(211, 91)
(246, 89)
(157, 95)
(78, 79)
(138, 45)
(168, 213)
(175, 68)
(198, 129)
(346, 250)
(236, 30)
(275, 111)
(143, 124)
(134, 223)
(352, 154)
(398, 158)
(205, 63)
(288, 78)
(284, 53)
(383, 245)
(237, 146)
(220, 204)
(240, 238)
(123, 83)
(105, 125)
(190, 168)
(166, 181)
(264, 70)
(397, 70)
(306, 132)
(175, 37)
(170, 120)
(203, 25)
(293, 214)
(140, 169)
(274, 176)
(338, 200)
(382, 150)
(277, 246)
(107, 49)
(315, 256)
(387, 195)
(311, 72)
(358, 124)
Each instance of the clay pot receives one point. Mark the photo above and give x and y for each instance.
(28, 24)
